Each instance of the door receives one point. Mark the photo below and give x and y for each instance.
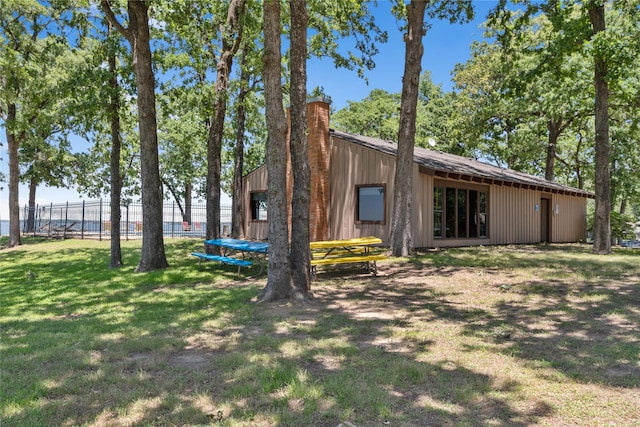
(544, 221)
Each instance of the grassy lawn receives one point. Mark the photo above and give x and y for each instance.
(507, 336)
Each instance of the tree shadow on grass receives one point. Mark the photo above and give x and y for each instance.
(587, 331)
(158, 352)
(213, 356)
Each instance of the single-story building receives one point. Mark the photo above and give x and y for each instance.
(457, 201)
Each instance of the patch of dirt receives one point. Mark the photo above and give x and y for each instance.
(189, 359)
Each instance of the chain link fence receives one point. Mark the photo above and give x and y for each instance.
(91, 219)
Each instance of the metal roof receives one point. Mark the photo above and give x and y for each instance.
(451, 166)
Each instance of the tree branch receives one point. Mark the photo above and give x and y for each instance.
(106, 8)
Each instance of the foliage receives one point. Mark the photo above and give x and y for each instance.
(181, 139)
(439, 119)
(32, 45)
(533, 80)
(376, 116)
(331, 21)
(622, 226)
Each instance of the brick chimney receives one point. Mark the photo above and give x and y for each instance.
(319, 153)
(318, 142)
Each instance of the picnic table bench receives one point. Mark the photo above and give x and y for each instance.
(361, 250)
(230, 249)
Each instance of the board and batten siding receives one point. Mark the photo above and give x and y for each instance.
(255, 181)
(513, 218)
(515, 214)
(569, 220)
(352, 165)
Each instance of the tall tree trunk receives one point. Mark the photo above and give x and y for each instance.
(214, 167)
(153, 255)
(14, 179)
(230, 44)
(401, 238)
(237, 198)
(31, 214)
(602, 229)
(188, 202)
(554, 128)
(115, 182)
(300, 250)
(279, 284)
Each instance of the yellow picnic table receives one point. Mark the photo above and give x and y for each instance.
(357, 250)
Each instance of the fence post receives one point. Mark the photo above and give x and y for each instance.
(173, 216)
(82, 226)
(100, 221)
(66, 219)
(50, 218)
(126, 232)
(35, 220)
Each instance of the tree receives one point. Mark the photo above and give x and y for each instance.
(375, 116)
(300, 249)
(237, 205)
(522, 111)
(401, 216)
(137, 34)
(30, 71)
(183, 150)
(115, 180)
(279, 283)
(249, 133)
(602, 228)
(403, 186)
(579, 26)
(43, 161)
(231, 34)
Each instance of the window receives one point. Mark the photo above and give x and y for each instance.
(437, 212)
(459, 212)
(370, 204)
(259, 206)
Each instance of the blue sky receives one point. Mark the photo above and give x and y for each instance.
(445, 45)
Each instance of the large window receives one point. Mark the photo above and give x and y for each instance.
(370, 204)
(459, 212)
(259, 206)
(438, 212)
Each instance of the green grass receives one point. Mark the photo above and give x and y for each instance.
(528, 335)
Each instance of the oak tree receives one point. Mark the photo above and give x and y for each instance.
(137, 34)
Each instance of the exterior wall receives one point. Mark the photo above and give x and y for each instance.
(514, 213)
(422, 215)
(351, 165)
(569, 221)
(513, 218)
(254, 181)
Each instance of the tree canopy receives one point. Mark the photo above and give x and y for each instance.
(523, 100)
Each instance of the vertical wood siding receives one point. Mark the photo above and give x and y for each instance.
(352, 165)
(422, 216)
(513, 217)
(569, 223)
(255, 181)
